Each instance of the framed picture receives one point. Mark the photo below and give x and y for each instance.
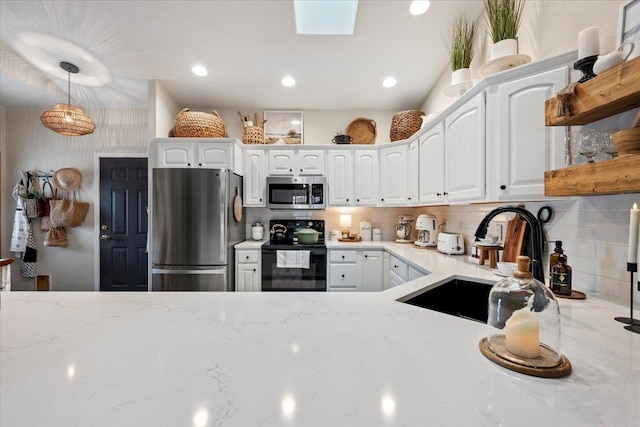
(283, 127)
(629, 25)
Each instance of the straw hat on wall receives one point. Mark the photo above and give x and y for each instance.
(66, 179)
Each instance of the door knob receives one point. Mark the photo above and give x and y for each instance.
(104, 237)
(104, 227)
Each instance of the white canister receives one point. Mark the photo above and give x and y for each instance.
(365, 231)
(334, 234)
(377, 235)
(257, 231)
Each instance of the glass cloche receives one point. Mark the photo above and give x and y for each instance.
(524, 326)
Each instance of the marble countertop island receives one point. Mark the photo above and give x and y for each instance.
(298, 359)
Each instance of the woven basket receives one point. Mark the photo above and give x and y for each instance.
(253, 135)
(362, 131)
(195, 124)
(404, 124)
(292, 140)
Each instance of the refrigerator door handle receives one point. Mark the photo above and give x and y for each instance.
(181, 271)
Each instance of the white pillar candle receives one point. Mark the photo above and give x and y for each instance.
(588, 42)
(634, 226)
(522, 333)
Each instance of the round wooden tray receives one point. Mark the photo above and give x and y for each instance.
(544, 366)
(424, 247)
(574, 295)
(340, 239)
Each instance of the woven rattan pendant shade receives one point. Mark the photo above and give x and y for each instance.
(67, 119)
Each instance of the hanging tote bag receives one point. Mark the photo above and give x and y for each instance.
(45, 220)
(65, 213)
(34, 202)
(56, 238)
(29, 265)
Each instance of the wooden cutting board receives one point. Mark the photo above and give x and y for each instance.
(514, 239)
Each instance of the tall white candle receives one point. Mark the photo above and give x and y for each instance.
(634, 226)
(522, 333)
(588, 42)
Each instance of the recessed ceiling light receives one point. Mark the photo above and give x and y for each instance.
(389, 82)
(419, 7)
(288, 81)
(325, 17)
(199, 70)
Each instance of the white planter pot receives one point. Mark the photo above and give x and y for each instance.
(462, 75)
(504, 48)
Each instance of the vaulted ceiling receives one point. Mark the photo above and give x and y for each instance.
(247, 47)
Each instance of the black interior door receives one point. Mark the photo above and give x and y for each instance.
(123, 224)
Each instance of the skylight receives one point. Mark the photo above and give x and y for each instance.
(325, 17)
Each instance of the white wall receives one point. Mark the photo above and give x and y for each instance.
(31, 146)
(163, 108)
(549, 28)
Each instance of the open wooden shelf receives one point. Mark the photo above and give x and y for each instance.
(620, 175)
(612, 92)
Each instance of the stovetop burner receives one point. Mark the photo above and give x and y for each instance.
(290, 239)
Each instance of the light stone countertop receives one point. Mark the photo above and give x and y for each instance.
(303, 359)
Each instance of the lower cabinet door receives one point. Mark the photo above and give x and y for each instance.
(343, 276)
(372, 277)
(395, 280)
(248, 278)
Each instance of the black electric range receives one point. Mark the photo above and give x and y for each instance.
(310, 274)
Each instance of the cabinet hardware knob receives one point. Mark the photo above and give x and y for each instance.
(357, 200)
(199, 164)
(438, 194)
(300, 170)
(188, 164)
(247, 257)
(290, 170)
(260, 199)
(503, 187)
(409, 198)
(395, 266)
(347, 200)
(445, 194)
(366, 256)
(382, 200)
(254, 269)
(342, 256)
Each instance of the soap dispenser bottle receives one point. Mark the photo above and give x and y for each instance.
(553, 258)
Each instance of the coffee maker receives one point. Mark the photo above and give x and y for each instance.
(428, 229)
(403, 229)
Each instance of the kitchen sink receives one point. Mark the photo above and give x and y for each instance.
(457, 297)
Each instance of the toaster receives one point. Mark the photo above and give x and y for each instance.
(451, 243)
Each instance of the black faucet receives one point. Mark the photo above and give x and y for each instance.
(536, 236)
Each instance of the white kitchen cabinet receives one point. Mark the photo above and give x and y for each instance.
(296, 162)
(248, 270)
(465, 151)
(255, 167)
(339, 182)
(395, 280)
(413, 174)
(355, 270)
(432, 165)
(399, 267)
(366, 177)
(414, 273)
(371, 272)
(524, 147)
(386, 269)
(393, 175)
(180, 154)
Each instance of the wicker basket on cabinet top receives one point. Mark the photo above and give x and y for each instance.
(362, 131)
(253, 135)
(196, 124)
(404, 124)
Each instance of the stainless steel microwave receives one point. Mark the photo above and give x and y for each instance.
(304, 192)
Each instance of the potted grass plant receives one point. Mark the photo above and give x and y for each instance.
(503, 19)
(460, 46)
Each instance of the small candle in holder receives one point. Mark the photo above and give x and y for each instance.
(522, 332)
(634, 229)
(589, 42)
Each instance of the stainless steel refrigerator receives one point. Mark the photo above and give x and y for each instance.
(194, 229)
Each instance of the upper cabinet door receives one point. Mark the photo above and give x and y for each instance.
(310, 162)
(413, 175)
(527, 147)
(432, 165)
(213, 156)
(254, 180)
(393, 175)
(339, 178)
(465, 152)
(366, 182)
(281, 162)
(174, 155)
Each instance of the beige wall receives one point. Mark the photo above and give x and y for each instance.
(30, 146)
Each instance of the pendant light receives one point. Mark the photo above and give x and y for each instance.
(67, 119)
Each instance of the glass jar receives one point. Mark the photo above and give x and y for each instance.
(524, 320)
